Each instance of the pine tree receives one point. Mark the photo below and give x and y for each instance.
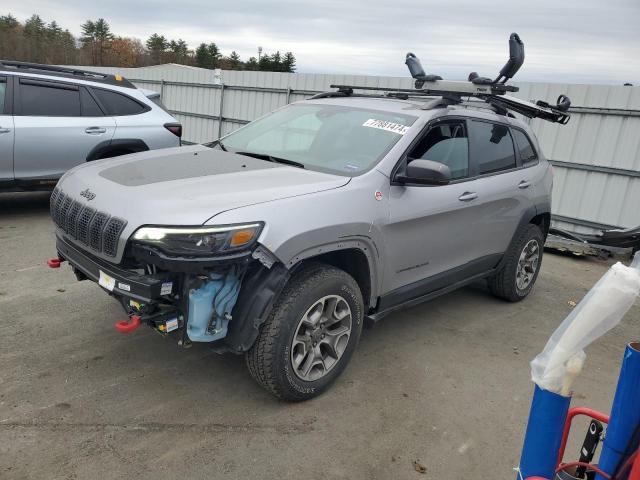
(289, 63)
(214, 55)
(235, 61)
(34, 33)
(202, 56)
(157, 45)
(252, 64)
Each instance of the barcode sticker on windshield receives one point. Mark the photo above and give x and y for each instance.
(388, 126)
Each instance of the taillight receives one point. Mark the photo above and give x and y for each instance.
(174, 128)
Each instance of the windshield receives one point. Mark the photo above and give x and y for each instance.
(330, 138)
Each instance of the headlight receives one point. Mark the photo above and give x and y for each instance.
(199, 240)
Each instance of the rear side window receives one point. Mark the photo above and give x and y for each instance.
(492, 147)
(117, 104)
(89, 106)
(49, 99)
(3, 93)
(448, 144)
(524, 146)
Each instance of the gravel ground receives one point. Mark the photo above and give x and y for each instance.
(445, 383)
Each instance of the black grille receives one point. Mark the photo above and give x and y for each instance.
(72, 219)
(111, 235)
(83, 224)
(97, 230)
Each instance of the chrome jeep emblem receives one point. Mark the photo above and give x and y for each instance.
(88, 194)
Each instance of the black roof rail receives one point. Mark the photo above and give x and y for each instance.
(66, 72)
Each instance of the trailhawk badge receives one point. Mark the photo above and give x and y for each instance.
(88, 194)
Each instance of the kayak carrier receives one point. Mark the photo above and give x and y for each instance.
(447, 92)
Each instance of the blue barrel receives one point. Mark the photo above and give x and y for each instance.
(544, 434)
(625, 411)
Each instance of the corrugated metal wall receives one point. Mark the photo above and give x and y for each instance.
(596, 156)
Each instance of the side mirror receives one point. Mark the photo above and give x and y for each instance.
(426, 172)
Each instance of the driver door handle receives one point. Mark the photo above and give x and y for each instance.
(524, 184)
(468, 196)
(95, 130)
(4, 130)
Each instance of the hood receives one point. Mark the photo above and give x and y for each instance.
(186, 185)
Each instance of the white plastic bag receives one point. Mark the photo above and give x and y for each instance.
(599, 311)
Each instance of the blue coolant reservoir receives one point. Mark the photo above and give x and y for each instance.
(210, 306)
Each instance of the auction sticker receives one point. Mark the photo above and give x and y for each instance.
(106, 281)
(388, 126)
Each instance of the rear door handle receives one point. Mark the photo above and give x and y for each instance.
(4, 130)
(524, 184)
(95, 130)
(468, 196)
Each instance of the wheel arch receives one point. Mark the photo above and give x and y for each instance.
(355, 256)
(131, 145)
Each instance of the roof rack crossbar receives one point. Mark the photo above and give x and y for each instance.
(493, 92)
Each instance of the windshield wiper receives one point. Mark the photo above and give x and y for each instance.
(214, 143)
(271, 158)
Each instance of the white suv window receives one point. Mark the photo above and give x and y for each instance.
(46, 99)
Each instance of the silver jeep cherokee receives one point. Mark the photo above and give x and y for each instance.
(279, 240)
(54, 118)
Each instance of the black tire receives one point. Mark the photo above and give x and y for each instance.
(270, 358)
(503, 284)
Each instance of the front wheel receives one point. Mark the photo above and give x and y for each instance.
(517, 276)
(308, 339)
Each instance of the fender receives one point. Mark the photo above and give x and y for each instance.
(362, 236)
(133, 144)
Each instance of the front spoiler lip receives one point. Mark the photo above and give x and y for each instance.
(144, 288)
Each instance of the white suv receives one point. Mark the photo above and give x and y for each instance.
(54, 118)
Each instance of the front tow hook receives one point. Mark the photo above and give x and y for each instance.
(125, 326)
(54, 262)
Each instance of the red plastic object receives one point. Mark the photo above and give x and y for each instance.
(635, 470)
(54, 262)
(124, 326)
(567, 425)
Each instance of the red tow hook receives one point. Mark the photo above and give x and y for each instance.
(127, 327)
(54, 262)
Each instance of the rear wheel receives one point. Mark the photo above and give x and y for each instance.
(309, 338)
(516, 278)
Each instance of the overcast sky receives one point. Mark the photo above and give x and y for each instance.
(585, 41)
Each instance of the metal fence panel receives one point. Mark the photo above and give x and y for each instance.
(596, 156)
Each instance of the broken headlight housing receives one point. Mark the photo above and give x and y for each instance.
(200, 240)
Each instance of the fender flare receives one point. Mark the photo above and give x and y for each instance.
(364, 245)
(528, 215)
(133, 144)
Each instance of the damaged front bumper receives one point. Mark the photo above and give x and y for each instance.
(223, 300)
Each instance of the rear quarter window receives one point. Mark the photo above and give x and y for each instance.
(527, 152)
(3, 92)
(117, 104)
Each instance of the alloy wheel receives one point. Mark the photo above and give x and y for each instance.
(321, 338)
